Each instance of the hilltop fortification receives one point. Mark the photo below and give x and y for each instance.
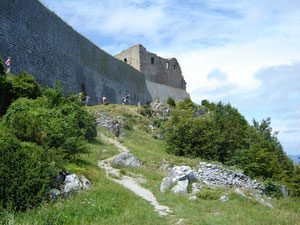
(43, 45)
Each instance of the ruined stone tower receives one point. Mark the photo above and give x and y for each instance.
(156, 69)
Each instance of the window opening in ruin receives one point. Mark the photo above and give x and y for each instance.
(125, 60)
(167, 65)
(174, 67)
(152, 60)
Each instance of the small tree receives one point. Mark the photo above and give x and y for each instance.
(205, 102)
(171, 101)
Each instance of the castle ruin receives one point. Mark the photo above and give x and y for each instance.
(43, 45)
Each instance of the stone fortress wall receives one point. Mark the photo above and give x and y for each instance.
(43, 45)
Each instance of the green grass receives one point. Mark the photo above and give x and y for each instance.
(110, 203)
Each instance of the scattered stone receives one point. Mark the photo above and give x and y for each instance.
(54, 193)
(71, 184)
(238, 191)
(192, 198)
(263, 201)
(86, 184)
(224, 199)
(211, 175)
(151, 127)
(104, 120)
(196, 188)
(127, 159)
(180, 221)
(104, 151)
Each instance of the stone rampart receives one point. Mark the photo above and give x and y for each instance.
(162, 92)
(43, 45)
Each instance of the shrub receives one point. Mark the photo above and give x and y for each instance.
(64, 127)
(208, 194)
(24, 85)
(145, 111)
(14, 87)
(187, 104)
(171, 101)
(272, 189)
(205, 102)
(25, 173)
(187, 136)
(157, 123)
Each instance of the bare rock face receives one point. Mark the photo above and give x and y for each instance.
(127, 159)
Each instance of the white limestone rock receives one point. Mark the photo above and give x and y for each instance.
(127, 159)
(181, 187)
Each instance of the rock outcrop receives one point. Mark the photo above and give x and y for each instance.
(212, 176)
(67, 183)
(127, 159)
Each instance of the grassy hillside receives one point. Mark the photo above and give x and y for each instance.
(110, 203)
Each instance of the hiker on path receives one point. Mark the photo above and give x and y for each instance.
(86, 100)
(104, 100)
(127, 99)
(117, 128)
(83, 98)
(7, 63)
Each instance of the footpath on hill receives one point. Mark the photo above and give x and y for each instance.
(129, 182)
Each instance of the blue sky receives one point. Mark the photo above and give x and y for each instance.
(246, 52)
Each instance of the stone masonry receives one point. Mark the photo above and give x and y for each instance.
(44, 46)
(156, 69)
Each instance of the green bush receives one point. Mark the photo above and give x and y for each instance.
(187, 136)
(186, 104)
(208, 194)
(210, 106)
(14, 87)
(272, 189)
(145, 111)
(64, 127)
(157, 123)
(205, 102)
(171, 101)
(24, 85)
(25, 173)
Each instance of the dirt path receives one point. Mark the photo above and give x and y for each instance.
(128, 182)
